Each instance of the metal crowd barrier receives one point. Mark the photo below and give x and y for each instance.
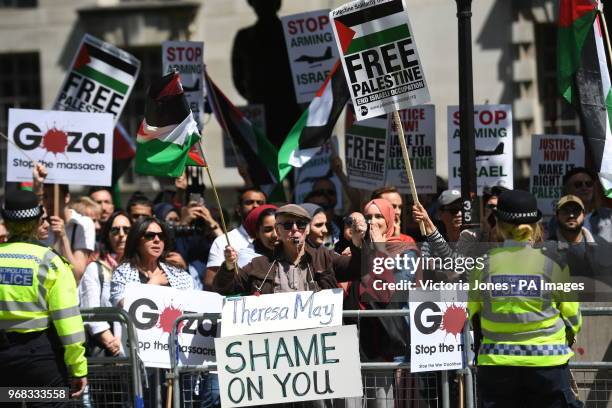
(385, 384)
(113, 381)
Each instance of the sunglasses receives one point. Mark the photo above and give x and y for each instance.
(580, 184)
(452, 210)
(118, 230)
(300, 224)
(570, 210)
(150, 236)
(251, 202)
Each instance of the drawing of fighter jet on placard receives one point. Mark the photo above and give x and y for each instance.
(311, 59)
(499, 150)
(194, 88)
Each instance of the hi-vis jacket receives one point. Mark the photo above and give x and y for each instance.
(37, 288)
(523, 322)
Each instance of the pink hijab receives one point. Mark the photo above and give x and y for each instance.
(386, 209)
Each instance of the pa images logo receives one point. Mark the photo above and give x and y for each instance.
(364, 110)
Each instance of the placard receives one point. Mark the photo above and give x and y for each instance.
(285, 367)
(366, 152)
(379, 56)
(154, 309)
(75, 147)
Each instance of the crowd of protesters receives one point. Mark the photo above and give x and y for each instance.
(178, 241)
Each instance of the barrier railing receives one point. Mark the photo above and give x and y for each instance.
(113, 381)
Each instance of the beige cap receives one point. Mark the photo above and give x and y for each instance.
(570, 198)
(295, 210)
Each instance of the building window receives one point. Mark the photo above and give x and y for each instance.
(18, 3)
(19, 88)
(559, 116)
(133, 112)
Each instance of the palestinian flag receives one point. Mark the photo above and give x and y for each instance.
(584, 81)
(316, 124)
(124, 150)
(168, 138)
(105, 68)
(258, 152)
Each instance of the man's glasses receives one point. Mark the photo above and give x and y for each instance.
(150, 235)
(580, 184)
(117, 230)
(452, 210)
(251, 202)
(300, 224)
(570, 210)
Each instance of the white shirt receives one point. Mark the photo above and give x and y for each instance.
(238, 238)
(81, 232)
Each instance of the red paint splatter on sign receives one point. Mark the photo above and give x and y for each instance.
(167, 318)
(453, 320)
(580, 351)
(55, 141)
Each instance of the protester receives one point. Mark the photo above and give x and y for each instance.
(583, 183)
(71, 233)
(318, 226)
(248, 199)
(522, 359)
(95, 285)
(139, 206)
(89, 208)
(295, 267)
(391, 194)
(41, 330)
(167, 212)
(260, 223)
(104, 197)
(144, 260)
(333, 225)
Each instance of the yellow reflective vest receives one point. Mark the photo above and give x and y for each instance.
(37, 289)
(523, 319)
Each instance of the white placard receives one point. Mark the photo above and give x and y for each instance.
(154, 310)
(494, 146)
(551, 157)
(75, 147)
(287, 367)
(187, 57)
(312, 51)
(436, 342)
(419, 123)
(100, 79)
(379, 56)
(281, 311)
(365, 153)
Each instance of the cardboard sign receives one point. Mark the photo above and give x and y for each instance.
(75, 147)
(316, 168)
(99, 79)
(551, 157)
(154, 310)
(287, 367)
(312, 51)
(187, 57)
(366, 152)
(379, 56)
(436, 341)
(281, 311)
(494, 146)
(419, 125)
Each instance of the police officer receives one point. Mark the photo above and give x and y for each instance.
(41, 329)
(525, 326)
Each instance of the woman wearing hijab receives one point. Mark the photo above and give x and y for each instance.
(259, 224)
(318, 226)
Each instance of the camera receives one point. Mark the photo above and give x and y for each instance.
(197, 227)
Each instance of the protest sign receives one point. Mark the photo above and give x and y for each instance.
(436, 341)
(99, 79)
(154, 309)
(379, 56)
(494, 146)
(317, 168)
(311, 49)
(75, 147)
(365, 153)
(419, 124)
(551, 157)
(287, 367)
(281, 311)
(256, 114)
(187, 57)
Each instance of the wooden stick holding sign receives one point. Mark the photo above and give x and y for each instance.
(407, 165)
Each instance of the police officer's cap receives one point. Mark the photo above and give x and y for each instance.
(517, 207)
(21, 205)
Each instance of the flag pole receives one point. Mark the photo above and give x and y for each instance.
(407, 165)
(605, 29)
